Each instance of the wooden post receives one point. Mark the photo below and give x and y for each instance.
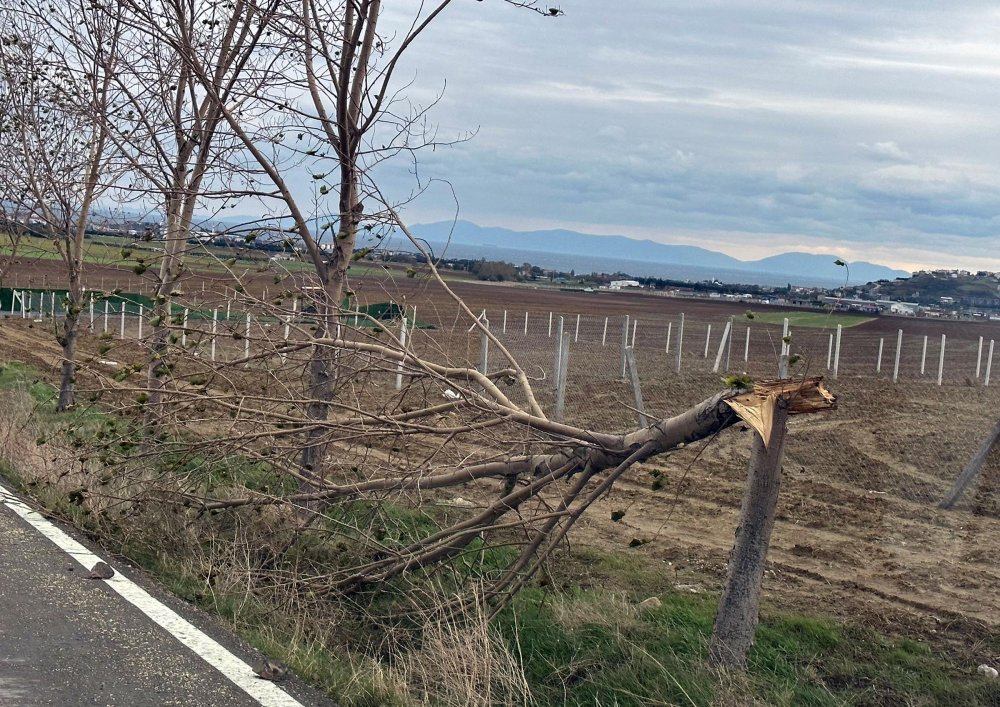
(561, 377)
(972, 469)
(878, 364)
(708, 338)
(739, 605)
(624, 361)
(836, 353)
(899, 348)
(979, 358)
(604, 336)
(923, 357)
(941, 361)
(680, 342)
(636, 388)
(989, 365)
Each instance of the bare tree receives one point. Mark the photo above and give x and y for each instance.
(56, 73)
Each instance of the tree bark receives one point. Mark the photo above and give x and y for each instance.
(739, 606)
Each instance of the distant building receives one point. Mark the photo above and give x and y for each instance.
(621, 284)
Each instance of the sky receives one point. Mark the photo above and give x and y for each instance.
(752, 127)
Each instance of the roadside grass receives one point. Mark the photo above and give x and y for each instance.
(586, 643)
(812, 320)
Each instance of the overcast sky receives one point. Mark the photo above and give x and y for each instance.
(864, 128)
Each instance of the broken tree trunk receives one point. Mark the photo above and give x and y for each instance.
(971, 471)
(766, 410)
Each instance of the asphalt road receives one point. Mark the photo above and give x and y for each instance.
(67, 640)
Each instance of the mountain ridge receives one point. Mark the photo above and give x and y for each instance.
(564, 241)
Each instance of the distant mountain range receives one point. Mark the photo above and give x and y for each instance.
(570, 243)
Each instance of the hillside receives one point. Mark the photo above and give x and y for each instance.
(963, 289)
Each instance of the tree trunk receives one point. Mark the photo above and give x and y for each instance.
(739, 605)
(67, 379)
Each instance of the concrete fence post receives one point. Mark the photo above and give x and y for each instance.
(899, 348)
(604, 336)
(941, 361)
(484, 349)
(722, 347)
(746, 346)
(561, 377)
(708, 338)
(784, 336)
(829, 354)
(979, 358)
(989, 365)
(91, 310)
(504, 327)
(670, 326)
(140, 321)
(636, 388)
(106, 306)
(878, 364)
(525, 322)
(923, 357)
(836, 352)
(246, 338)
(635, 325)
(558, 354)
(680, 342)
(576, 334)
(402, 346)
(121, 333)
(184, 328)
(550, 325)
(624, 362)
(215, 326)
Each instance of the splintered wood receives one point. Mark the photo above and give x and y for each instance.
(757, 407)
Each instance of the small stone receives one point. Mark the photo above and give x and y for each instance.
(651, 603)
(987, 671)
(102, 570)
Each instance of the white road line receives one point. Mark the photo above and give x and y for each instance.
(238, 671)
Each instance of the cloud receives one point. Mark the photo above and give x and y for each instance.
(885, 151)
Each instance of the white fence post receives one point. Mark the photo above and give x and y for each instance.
(670, 326)
(505, 321)
(635, 324)
(246, 338)
(550, 325)
(604, 336)
(106, 316)
(836, 353)
(215, 327)
(624, 362)
(576, 335)
(923, 357)
(899, 348)
(121, 334)
(184, 329)
(746, 346)
(989, 365)
(680, 342)
(558, 358)
(402, 346)
(941, 361)
(878, 365)
(979, 358)
(829, 354)
(708, 337)
(722, 347)
(561, 377)
(484, 347)
(91, 310)
(784, 335)
(525, 322)
(636, 388)
(140, 321)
